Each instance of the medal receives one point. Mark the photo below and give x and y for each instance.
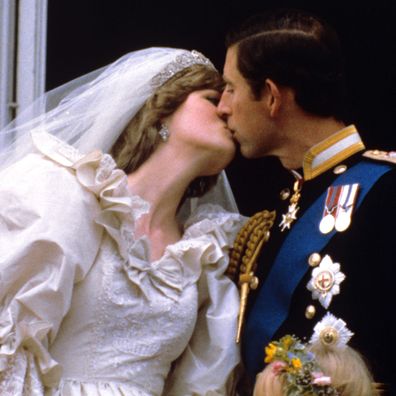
(338, 208)
(327, 223)
(291, 215)
(345, 206)
(343, 221)
(325, 281)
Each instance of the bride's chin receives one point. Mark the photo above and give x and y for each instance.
(220, 165)
(230, 153)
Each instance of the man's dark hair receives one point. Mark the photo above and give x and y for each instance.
(294, 49)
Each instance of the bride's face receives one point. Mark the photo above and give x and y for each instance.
(197, 125)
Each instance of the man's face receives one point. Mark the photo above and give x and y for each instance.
(247, 117)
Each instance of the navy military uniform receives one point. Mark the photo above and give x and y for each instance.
(366, 252)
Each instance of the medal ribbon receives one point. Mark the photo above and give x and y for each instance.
(333, 196)
(348, 196)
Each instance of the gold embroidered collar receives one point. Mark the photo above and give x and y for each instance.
(331, 151)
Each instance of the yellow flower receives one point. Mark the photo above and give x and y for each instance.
(287, 341)
(296, 363)
(270, 351)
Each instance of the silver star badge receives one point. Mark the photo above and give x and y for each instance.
(325, 281)
(331, 331)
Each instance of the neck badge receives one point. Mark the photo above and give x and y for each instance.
(291, 215)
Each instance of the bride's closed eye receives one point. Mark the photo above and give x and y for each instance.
(213, 96)
(213, 99)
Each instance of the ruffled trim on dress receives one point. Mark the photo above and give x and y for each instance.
(97, 172)
(209, 233)
(218, 226)
(21, 371)
(213, 219)
(162, 276)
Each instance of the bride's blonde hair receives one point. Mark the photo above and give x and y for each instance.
(140, 137)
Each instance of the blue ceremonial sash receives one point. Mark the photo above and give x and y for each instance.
(271, 307)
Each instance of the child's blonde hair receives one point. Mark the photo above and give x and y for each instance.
(346, 368)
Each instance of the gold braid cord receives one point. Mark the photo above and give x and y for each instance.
(243, 257)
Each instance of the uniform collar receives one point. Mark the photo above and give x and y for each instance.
(331, 151)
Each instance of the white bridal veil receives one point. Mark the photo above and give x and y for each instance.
(91, 111)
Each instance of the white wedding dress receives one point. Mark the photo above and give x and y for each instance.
(83, 310)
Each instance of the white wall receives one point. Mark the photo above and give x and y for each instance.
(23, 31)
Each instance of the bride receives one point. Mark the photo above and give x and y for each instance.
(112, 253)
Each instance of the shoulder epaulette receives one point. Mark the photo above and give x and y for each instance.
(380, 155)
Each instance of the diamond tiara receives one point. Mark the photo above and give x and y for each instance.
(182, 61)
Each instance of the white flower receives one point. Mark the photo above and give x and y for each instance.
(331, 331)
(322, 381)
(325, 281)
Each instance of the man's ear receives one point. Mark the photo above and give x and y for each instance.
(272, 95)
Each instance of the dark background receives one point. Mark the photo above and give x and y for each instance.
(86, 34)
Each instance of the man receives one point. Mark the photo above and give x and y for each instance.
(330, 249)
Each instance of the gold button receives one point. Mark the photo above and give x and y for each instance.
(314, 259)
(310, 312)
(340, 169)
(284, 194)
(329, 336)
(254, 282)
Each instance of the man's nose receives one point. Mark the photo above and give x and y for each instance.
(223, 109)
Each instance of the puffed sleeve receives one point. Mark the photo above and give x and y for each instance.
(209, 364)
(48, 242)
